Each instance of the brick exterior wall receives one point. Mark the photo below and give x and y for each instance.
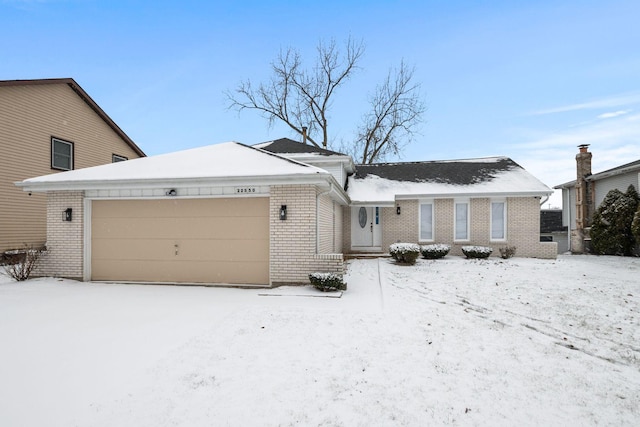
(293, 242)
(523, 226)
(399, 228)
(65, 240)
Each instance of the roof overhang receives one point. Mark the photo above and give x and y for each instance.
(470, 195)
(324, 182)
(473, 195)
(319, 159)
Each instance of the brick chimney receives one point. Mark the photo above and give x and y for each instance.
(584, 198)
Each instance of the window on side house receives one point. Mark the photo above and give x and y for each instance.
(498, 220)
(461, 221)
(117, 158)
(61, 154)
(426, 221)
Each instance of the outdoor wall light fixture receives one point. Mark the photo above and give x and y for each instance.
(172, 192)
(398, 210)
(283, 212)
(67, 214)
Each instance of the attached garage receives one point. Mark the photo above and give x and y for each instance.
(218, 240)
(224, 214)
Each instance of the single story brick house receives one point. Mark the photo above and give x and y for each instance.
(270, 214)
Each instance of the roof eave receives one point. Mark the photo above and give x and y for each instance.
(318, 178)
(532, 193)
(608, 174)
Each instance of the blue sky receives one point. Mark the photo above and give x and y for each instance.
(526, 79)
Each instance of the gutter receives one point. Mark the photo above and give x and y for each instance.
(145, 183)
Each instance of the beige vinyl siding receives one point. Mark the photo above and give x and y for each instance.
(325, 225)
(29, 116)
(621, 182)
(337, 228)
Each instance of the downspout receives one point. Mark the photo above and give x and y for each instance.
(569, 219)
(318, 216)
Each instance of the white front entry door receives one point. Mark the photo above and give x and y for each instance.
(365, 228)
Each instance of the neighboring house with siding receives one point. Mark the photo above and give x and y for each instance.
(47, 126)
(581, 198)
(273, 213)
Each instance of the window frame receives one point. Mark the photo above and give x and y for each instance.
(420, 204)
(457, 202)
(72, 156)
(118, 156)
(504, 220)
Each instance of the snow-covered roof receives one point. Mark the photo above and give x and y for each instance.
(492, 176)
(289, 146)
(226, 161)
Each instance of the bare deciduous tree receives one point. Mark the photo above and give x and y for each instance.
(302, 97)
(299, 97)
(396, 110)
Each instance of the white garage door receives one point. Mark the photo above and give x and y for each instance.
(181, 240)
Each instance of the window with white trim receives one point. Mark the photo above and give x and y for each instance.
(117, 158)
(426, 221)
(61, 154)
(461, 225)
(498, 220)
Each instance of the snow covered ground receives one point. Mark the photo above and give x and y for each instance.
(445, 342)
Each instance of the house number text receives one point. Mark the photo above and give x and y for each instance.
(246, 190)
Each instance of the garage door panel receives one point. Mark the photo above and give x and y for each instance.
(178, 250)
(182, 272)
(179, 208)
(181, 240)
(186, 228)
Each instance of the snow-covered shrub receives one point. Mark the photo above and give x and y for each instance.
(21, 263)
(327, 282)
(611, 229)
(436, 251)
(507, 252)
(476, 251)
(405, 253)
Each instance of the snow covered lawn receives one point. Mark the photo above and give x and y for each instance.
(444, 342)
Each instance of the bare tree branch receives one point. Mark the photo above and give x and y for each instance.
(396, 111)
(297, 97)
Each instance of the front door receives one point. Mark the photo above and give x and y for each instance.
(365, 228)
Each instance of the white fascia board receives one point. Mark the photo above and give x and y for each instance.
(473, 195)
(370, 203)
(566, 185)
(347, 161)
(603, 175)
(322, 179)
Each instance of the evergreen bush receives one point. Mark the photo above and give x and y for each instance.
(477, 251)
(611, 228)
(405, 253)
(635, 226)
(327, 282)
(436, 251)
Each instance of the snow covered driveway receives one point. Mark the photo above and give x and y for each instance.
(446, 342)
